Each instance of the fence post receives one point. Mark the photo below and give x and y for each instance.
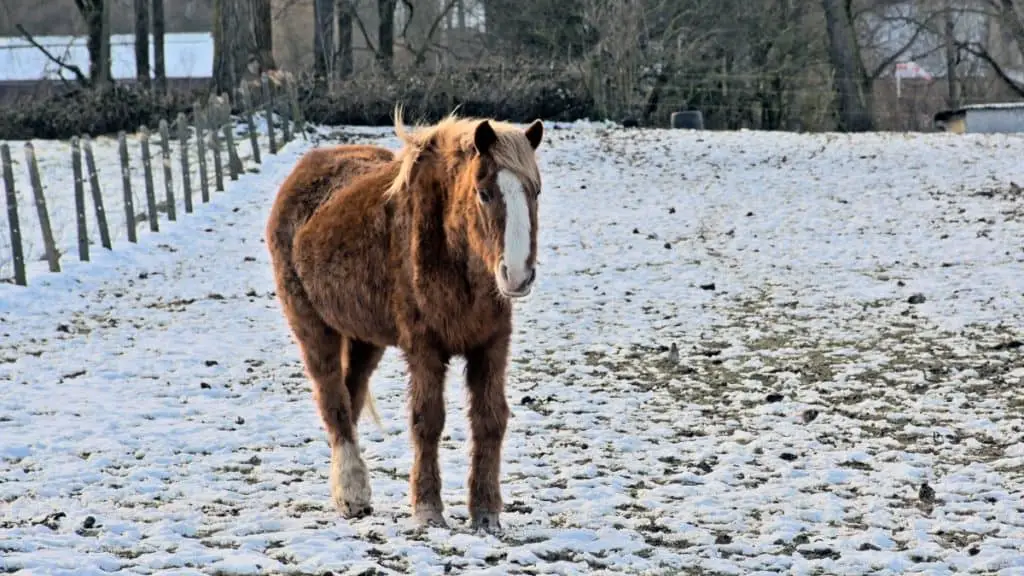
(186, 177)
(218, 164)
(147, 169)
(199, 119)
(13, 223)
(286, 124)
(250, 122)
(97, 194)
(165, 145)
(44, 216)
(79, 187)
(297, 118)
(234, 163)
(268, 103)
(126, 184)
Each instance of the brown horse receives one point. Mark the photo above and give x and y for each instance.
(423, 249)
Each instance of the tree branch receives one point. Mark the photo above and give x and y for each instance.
(979, 51)
(422, 52)
(79, 75)
(889, 60)
(365, 33)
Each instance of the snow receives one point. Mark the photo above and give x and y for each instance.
(154, 415)
(186, 55)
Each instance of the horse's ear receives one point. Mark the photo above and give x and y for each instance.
(484, 137)
(534, 133)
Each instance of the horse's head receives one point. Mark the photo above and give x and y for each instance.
(503, 181)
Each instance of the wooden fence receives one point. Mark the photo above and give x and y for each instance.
(211, 131)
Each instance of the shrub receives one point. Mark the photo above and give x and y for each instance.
(518, 95)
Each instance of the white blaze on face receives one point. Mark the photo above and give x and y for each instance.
(517, 228)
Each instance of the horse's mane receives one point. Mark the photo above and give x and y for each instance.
(454, 135)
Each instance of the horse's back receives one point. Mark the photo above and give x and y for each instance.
(318, 174)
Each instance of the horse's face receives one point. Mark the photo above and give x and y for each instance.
(504, 233)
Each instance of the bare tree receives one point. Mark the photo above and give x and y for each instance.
(105, 79)
(952, 57)
(98, 43)
(323, 38)
(1008, 15)
(386, 33)
(854, 99)
(346, 20)
(159, 70)
(242, 47)
(263, 33)
(142, 42)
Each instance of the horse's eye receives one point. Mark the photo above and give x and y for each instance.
(485, 195)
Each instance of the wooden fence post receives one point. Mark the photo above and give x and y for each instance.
(218, 164)
(44, 216)
(147, 169)
(199, 119)
(13, 224)
(228, 127)
(268, 103)
(250, 122)
(186, 177)
(165, 145)
(79, 187)
(297, 118)
(286, 124)
(97, 194)
(126, 184)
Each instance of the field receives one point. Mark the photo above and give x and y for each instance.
(748, 353)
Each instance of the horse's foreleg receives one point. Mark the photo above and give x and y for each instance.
(488, 416)
(350, 481)
(427, 368)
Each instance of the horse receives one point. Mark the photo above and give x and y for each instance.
(424, 249)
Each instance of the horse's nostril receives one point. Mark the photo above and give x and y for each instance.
(504, 271)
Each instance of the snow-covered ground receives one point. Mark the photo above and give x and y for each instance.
(847, 313)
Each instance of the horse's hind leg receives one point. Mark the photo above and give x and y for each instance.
(322, 354)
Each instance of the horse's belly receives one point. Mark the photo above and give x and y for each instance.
(344, 271)
(362, 312)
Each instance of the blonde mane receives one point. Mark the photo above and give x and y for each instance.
(452, 134)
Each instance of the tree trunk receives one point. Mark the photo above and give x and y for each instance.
(159, 71)
(234, 44)
(92, 13)
(142, 43)
(262, 26)
(854, 101)
(323, 38)
(386, 33)
(953, 97)
(345, 61)
(105, 77)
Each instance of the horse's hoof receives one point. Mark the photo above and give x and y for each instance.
(430, 518)
(354, 510)
(486, 521)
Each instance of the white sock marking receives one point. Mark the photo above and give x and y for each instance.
(349, 478)
(517, 227)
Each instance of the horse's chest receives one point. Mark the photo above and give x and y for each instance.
(460, 321)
